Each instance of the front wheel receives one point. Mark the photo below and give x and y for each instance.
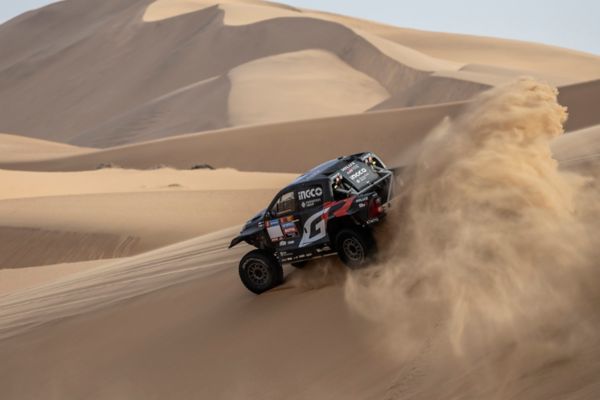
(260, 271)
(354, 247)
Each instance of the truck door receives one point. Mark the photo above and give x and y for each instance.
(282, 223)
(311, 199)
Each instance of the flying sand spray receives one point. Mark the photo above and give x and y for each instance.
(492, 243)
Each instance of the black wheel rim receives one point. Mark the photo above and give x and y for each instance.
(257, 272)
(353, 249)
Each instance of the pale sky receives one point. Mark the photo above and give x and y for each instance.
(573, 24)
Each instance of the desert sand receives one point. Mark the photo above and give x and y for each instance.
(115, 277)
(110, 213)
(19, 148)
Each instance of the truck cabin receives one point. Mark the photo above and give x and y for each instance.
(333, 180)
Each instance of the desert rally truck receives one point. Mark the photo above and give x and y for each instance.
(328, 210)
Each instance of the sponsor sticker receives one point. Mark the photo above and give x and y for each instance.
(315, 228)
(311, 197)
(310, 193)
(310, 203)
(359, 174)
(274, 230)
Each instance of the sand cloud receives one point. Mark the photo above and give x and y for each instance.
(492, 244)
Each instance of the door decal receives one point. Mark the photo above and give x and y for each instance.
(314, 228)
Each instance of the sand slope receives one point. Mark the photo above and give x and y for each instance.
(16, 279)
(15, 148)
(21, 184)
(160, 62)
(558, 65)
(237, 12)
(305, 343)
(256, 88)
(50, 218)
(281, 314)
(388, 133)
(175, 68)
(579, 147)
(245, 147)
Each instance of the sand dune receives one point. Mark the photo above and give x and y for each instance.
(579, 147)
(117, 283)
(557, 65)
(245, 12)
(237, 12)
(246, 150)
(405, 128)
(196, 107)
(111, 307)
(166, 57)
(15, 148)
(579, 100)
(342, 90)
(91, 227)
(54, 245)
(111, 110)
(155, 219)
(17, 279)
(114, 213)
(201, 269)
(20, 184)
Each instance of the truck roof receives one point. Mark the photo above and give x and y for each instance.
(325, 170)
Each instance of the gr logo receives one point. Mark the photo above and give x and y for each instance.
(310, 193)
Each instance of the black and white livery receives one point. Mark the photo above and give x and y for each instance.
(328, 210)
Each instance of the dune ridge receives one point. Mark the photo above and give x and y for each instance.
(557, 65)
(169, 54)
(405, 128)
(168, 88)
(17, 279)
(342, 90)
(50, 218)
(56, 246)
(15, 148)
(25, 184)
(90, 290)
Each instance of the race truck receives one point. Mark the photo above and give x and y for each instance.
(328, 210)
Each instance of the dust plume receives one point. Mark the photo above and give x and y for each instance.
(316, 275)
(492, 244)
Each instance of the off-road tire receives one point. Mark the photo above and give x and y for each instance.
(260, 271)
(355, 247)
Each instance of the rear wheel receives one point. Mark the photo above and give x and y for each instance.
(260, 271)
(354, 247)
